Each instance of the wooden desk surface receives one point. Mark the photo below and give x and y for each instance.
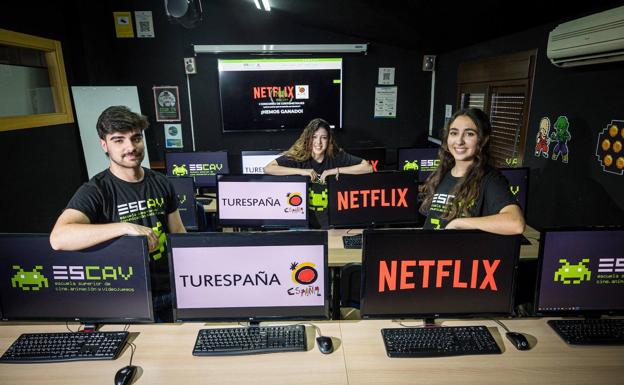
(164, 356)
(550, 361)
(339, 256)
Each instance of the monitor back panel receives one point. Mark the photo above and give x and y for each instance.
(186, 201)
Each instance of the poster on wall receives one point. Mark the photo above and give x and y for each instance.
(173, 136)
(542, 140)
(609, 148)
(385, 102)
(144, 23)
(560, 137)
(166, 103)
(123, 24)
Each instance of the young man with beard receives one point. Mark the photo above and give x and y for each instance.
(125, 199)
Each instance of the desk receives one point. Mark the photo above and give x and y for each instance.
(164, 354)
(551, 361)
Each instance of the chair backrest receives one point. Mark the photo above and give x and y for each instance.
(350, 282)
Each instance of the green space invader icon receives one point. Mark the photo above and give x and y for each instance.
(410, 166)
(179, 170)
(317, 201)
(574, 274)
(29, 280)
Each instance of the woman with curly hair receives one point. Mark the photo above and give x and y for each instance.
(316, 154)
(465, 192)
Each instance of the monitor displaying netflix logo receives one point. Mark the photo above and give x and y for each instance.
(371, 199)
(428, 273)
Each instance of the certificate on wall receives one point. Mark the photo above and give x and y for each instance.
(167, 103)
(173, 136)
(385, 102)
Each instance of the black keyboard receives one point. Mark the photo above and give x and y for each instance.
(57, 347)
(590, 331)
(250, 340)
(439, 341)
(352, 241)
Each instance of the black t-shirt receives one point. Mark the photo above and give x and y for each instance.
(107, 199)
(341, 159)
(494, 195)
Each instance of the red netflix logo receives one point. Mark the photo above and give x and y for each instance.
(408, 274)
(394, 197)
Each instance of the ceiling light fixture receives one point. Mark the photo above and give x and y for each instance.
(257, 4)
(266, 5)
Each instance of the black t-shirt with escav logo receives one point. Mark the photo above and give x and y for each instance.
(341, 159)
(494, 195)
(107, 199)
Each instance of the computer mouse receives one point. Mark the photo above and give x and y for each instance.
(518, 340)
(125, 375)
(325, 344)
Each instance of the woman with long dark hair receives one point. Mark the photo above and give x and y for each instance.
(465, 192)
(316, 154)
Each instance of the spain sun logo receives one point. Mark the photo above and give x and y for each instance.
(304, 273)
(294, 199)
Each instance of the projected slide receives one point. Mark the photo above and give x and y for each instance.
(279, 94)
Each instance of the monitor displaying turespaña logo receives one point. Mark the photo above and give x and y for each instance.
(249, 275)
(262, 200)
(106, 282)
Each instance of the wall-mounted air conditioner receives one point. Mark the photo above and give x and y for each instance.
(597, 38)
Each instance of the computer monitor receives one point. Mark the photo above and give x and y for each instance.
(518, 184)
(186, 201)
(376, 156)
(249, 276)
(262, 201)
(108, 283)
(388, 197)
(423, 160)
(254, 161)
(581, 272)
(432, 273)
(203, 166)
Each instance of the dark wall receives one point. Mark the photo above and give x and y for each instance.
(42, 167)
(579, 192)
(93, 56)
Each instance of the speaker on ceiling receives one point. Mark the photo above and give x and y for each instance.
(187, 13)
(429, 63)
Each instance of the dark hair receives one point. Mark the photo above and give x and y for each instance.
(468, 189)
(301, 150)
(119, 119)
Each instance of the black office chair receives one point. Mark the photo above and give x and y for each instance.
(350, 282)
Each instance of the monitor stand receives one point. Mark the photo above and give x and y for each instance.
(90, 327)
(430, 323)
